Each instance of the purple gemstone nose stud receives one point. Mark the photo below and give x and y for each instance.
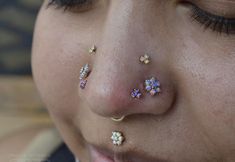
(136, 93)
(83, 84)
(152, 86)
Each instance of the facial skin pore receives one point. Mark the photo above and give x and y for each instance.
(193, 119)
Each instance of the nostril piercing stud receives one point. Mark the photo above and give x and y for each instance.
(152, 86)
(145, 59)
(136, 93)
(84, 72)
(117, 138)
(83, 84)
(92, 50)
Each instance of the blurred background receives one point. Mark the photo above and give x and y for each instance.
(20, 105)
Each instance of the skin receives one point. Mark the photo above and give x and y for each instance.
(191, 120)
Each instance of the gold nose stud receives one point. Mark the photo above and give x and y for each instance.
(145, 59)
(92, 50)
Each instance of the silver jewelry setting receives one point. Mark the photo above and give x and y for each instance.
(84, 72)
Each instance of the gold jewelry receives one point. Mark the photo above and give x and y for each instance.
(92, 49)
(145, 59)
(117, 119)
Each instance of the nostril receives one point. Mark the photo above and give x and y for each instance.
(108, 100)
(110, 97)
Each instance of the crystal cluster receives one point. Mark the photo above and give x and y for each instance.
(83, 83)
(117, 138)
(152, 86)
(84, 72)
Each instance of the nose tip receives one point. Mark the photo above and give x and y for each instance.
(110, 96)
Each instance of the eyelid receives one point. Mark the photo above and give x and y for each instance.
(225, 8)
(212, 21)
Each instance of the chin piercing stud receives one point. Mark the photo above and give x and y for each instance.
(136, 93)
(92, 50)
(152, 86)
(145, 59)
(117, 119)
(117, 138)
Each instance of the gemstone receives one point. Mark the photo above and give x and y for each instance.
(83, 84)
(153, 92)
(148, 88)
(84, 72)
(152, 86)
(136, 93)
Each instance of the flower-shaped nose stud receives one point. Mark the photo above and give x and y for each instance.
(152, 86)
(136, 93)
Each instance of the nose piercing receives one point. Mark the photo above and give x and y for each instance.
(92, 50)
(136, 93)
(152, 86)
(145, 59)
(83, 84)
(84, 72)
(117, 138)
(117, 119)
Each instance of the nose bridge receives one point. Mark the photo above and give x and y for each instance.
(120, 45)
(122, 39)
(116, 70)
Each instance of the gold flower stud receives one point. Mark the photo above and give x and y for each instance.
(145, 59)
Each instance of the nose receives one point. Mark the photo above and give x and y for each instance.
(116, 69)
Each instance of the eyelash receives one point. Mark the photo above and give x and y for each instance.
(216, 23)
(69, 4)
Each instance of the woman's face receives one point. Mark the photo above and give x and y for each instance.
(192, 49)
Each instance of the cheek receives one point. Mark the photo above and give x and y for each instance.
(58, 53)
(56, 64)
(207, 83)
(215, 104)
